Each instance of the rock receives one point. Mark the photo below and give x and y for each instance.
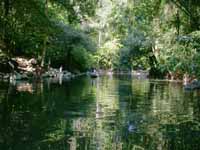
(65, 72)
(51, 73)
(45, 75)
(195, 84)
(58, 75)
(25, 64)
(33, 61)
(66, 77)
(6, 76)
(140, 73)
(73, 114)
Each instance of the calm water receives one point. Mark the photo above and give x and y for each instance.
(108, 113)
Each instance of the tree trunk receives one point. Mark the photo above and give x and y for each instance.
(69, 59)
(44, 51)
(99, 40)
(45, 38)
(6, 7)
(5, 34)
(46, 8)
(178, 22)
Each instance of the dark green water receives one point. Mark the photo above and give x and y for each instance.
(109, 113)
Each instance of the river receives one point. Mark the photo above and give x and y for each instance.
(106, 113)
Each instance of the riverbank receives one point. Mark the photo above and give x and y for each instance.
(53, 74)
(19, 69)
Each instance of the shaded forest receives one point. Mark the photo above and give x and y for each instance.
(162, 36)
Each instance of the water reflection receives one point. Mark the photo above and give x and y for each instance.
(104, 113)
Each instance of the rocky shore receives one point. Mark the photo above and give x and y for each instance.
(24, 69)
(19, 68)
(190, 83)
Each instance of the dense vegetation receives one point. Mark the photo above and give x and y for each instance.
(47, 30)
(160, 35)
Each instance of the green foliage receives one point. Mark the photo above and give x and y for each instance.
(158, 34)
(107, 56)
(182, 55)
(136, 50)
(39, 28)
(163, 41)
(77, 10)
(83, 59)
(71, 48)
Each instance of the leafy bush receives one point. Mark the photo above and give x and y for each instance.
(182, 55)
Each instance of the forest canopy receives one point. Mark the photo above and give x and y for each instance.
(162, 36)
